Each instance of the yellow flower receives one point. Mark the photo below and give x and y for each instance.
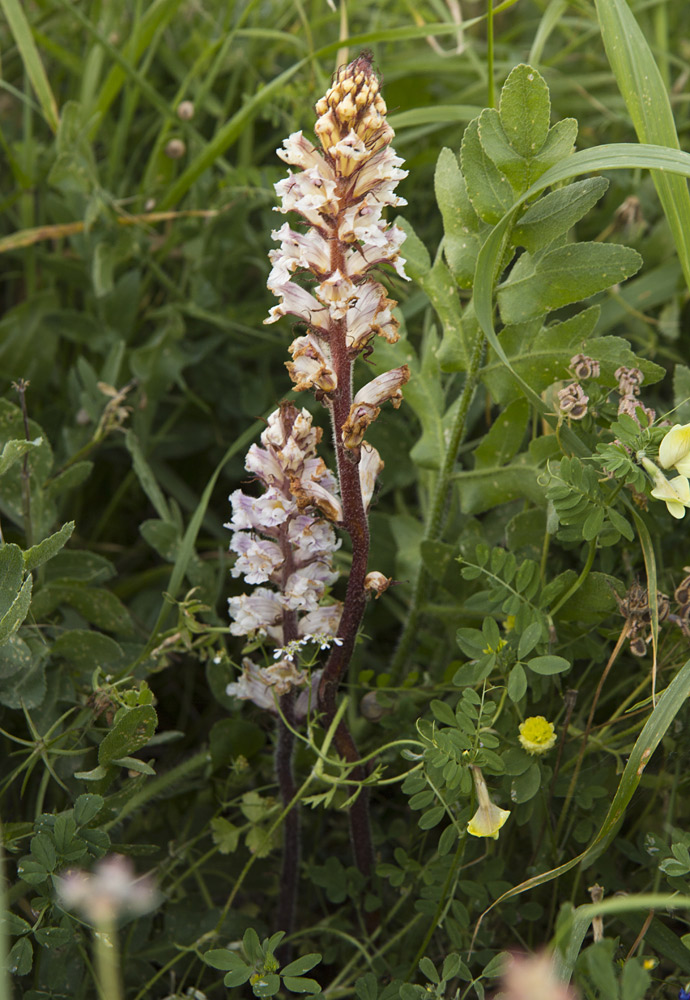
(674, 492)
(537, 734)
(488, 819)
(674, 450)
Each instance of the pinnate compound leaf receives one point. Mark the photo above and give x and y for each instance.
(562, 276)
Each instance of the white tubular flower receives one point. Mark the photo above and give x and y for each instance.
(674, 492)
(257, 559)
(255, 612)
(323, 621)
(297, 301)
(310, 367)
(367, 403)
(674, 450)
(488, 819)
(341, 192)
(370, 315)
(310, 493)
(370, 466)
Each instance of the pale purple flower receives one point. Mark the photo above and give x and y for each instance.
(111, 891)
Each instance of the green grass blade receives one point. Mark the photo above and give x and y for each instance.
(21, 29)
(573, 933)
(668, 706)
(642, 87)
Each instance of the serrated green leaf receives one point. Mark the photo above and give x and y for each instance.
(525, 109)
(488, 190)
(504, 437)
(556, 213)
(130, 733)
(538, 285)
(225, 834)
(497, 147)
(461, 224)
(13, 450)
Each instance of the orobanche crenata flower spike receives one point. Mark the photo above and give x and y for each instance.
(323, 274)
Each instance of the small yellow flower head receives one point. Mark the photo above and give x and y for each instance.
(488, 819)
(537, 734)
(674, 492)
(674, 450)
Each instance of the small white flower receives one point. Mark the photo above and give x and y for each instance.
(112, 890)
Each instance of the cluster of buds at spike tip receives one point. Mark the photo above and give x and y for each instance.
(284, 538)
(341, 191)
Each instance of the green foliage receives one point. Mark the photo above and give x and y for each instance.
(522, 540)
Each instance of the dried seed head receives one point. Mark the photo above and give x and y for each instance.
(573, 401)
(583, 367)
(638, 646)
(629, 380)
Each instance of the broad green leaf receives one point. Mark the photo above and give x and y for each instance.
(301, 965)
(146, 477)
(49, 547)
(549, 665)
(561, 276)
(525, 109)
(615, 157)
(461, 225)
(43, 850)
(252, 946)
(484, 488)
(14, 450)
(129, 734)
(133, 764)
(417, 259)
(18, 609)
(647, 100)
(22, 673)
(87, 807)
(20, 958)
(497, 147)
(226, 961)
(539, 355)
(505, 436)
(488, 190)
(85, 649)
(267, 986)
(298, 984)
(100, 607)
(11, 576)
(525, 786)
(428, 969)
(517, 683)
(557, 212)
(560, 143)
(163, 536)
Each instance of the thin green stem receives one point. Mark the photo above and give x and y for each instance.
(438, 505)
(580, 580)
(491, 96)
